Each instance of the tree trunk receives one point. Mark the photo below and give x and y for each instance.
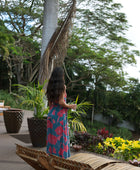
(50, 18)
(49, 22)
(92, 116)
(54, 39)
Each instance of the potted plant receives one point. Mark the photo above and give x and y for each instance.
(13, 119)
(34, 96)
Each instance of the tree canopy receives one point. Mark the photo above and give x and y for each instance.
(98, 50)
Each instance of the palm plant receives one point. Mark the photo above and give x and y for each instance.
(35, 97)
(74, 116)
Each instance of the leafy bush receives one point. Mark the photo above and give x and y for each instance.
(94, 143)
(10, 100)
(97, 142)
(95, 125)
(121, 132)
(104, 133)
(90, 127)
(117, 131)
(124, 149)
(114, 115)
(119, 148)
(89, 141)
(103, 143)
(82, 138)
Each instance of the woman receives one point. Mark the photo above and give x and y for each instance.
(57, 125)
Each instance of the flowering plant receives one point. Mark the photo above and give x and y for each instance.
(124, 149)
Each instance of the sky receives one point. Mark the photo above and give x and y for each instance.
(131, 9)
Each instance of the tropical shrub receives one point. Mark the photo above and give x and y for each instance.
(33, 96)
(82, 138)
(97, 142)
(9, 100)
(104, 133)
(89, 141)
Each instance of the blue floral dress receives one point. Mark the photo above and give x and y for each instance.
(57, 131)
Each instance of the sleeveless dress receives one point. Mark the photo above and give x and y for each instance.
(57, 131)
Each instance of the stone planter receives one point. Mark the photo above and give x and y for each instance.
(13, 119)
(38, 131)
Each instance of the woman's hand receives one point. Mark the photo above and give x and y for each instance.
(73, 106)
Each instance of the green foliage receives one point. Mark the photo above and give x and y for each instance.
(97, 52)
(75, 116)
(133, 104)
(90, 128)
(6, 39)
(104, 143)
(96, 125)
(121, 132)
(19, 34)
(126, 103)
(35, 97)
(123, 149)
(116, 131)
(9, 99)
(114, 115)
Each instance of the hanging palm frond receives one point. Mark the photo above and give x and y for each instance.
(57, 46)
(77, 125)
(75, 116)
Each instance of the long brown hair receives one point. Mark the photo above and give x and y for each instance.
(55, 86)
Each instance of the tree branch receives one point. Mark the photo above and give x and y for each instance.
(31, 5)
(12, 22)
(66, 72)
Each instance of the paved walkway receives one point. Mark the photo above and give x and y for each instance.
(8, 158)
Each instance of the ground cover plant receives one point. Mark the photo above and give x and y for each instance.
(92, 128)
(9, 100)
(106, 144)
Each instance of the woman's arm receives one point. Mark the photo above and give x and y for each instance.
(64, 104)
(49, 104)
